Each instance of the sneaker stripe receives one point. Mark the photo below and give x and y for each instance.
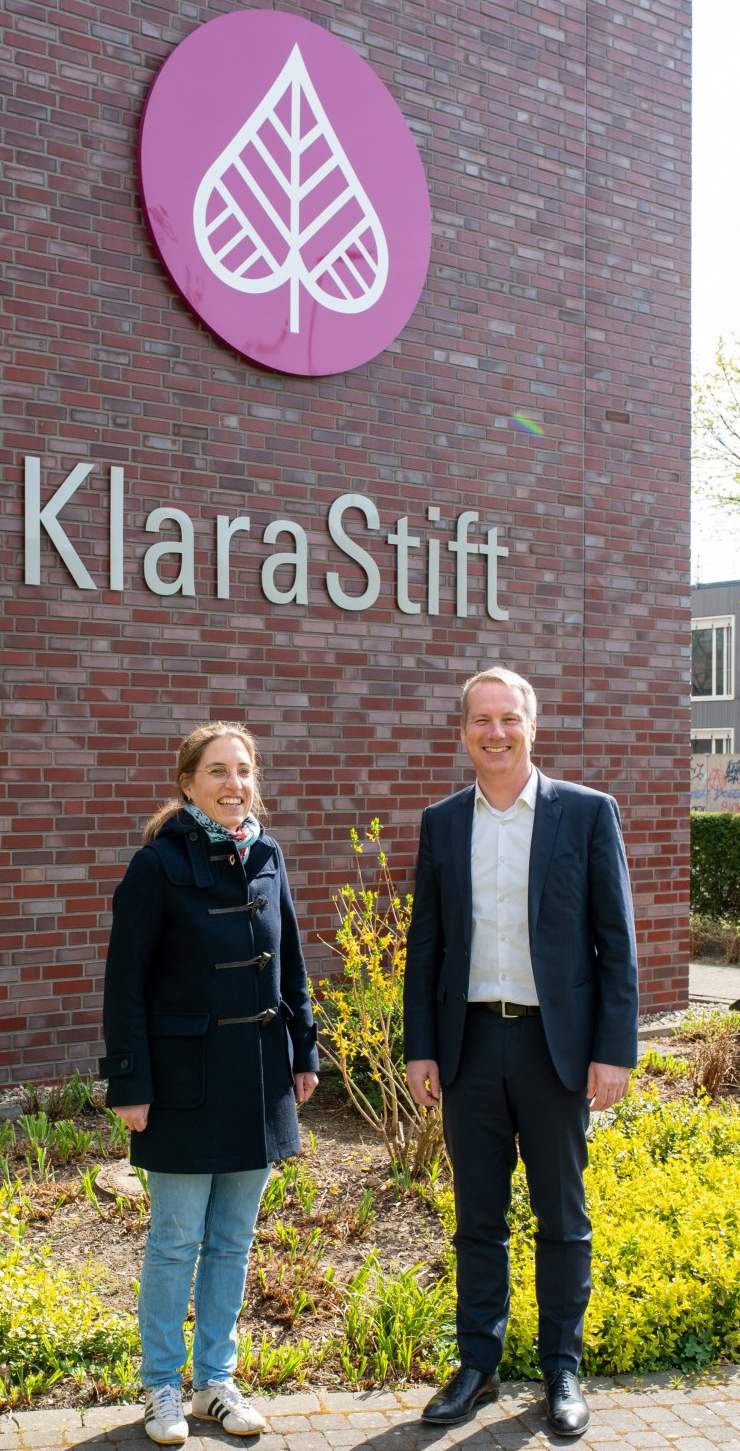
(229, 1406)
(163, 1417)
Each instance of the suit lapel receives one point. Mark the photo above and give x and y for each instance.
(547, 814)
(461, 839)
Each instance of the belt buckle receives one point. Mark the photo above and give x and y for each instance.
(504, 1013)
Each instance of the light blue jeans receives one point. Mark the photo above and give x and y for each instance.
(211, 1218)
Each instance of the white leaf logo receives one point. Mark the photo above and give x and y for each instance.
(282, 203)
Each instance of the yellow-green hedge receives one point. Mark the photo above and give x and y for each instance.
(663, 1188)
(52, 1321)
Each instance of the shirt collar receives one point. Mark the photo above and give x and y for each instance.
(527, 797)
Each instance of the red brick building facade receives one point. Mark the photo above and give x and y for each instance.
(555, 140)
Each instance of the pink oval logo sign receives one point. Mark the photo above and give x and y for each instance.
(285, 193)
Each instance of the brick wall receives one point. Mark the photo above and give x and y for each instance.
(636, 444)
(555, 138)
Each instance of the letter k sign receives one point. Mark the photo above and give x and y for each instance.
(38, 518)
(46, 518)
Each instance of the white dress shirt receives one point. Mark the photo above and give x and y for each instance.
(500, 961)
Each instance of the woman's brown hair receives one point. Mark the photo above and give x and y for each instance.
(188, 757)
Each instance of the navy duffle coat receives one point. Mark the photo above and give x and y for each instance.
(199, 946)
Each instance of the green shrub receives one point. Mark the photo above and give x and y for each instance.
(52, 1321)
(715, 863)
(662, 1065)
(715, 1064)
(713, 937)
(663, 1188)
(702, 1024)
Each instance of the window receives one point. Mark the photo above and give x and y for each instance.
(712, 659)
(715, 742)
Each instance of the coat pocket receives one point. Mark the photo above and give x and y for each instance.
(178, 1058)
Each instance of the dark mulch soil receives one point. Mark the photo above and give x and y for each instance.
(343, 1159)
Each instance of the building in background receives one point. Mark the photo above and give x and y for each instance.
(715, 708)
(188, 535)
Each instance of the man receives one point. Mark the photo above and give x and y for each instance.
(521, 1001)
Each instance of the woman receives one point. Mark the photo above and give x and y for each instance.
(210, 1041)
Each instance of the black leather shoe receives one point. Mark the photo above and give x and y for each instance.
(567, 1412)
(458, 1399)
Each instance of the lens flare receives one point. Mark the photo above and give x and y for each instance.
(527, 425)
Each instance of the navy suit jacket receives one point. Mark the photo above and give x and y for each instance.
(581, 932)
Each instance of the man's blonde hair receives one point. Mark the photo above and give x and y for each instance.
(504, 677)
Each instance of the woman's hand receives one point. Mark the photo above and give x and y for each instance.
(304, 1085)
(134, 1115)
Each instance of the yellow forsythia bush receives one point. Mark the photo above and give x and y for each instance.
(360, 1013)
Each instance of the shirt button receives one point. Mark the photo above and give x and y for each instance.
(193, 835)
(124, 1062)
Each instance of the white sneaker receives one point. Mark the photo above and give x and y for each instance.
(164, 1421)
(221, 1401)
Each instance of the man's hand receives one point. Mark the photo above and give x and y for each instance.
(606, 1084)
(134, 1115)
(423, 1080)
(304, 1085)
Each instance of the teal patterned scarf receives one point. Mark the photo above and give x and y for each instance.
(241, 839)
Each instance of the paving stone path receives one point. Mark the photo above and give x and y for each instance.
(716, 984)
(650, 1412)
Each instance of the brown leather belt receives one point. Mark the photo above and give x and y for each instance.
(508, 1010)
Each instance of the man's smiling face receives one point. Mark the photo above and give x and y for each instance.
(498, 736)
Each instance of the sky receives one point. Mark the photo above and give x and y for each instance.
(715, 309)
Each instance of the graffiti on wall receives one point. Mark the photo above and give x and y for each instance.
(715, 783)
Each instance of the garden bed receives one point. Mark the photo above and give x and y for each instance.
(340, 1167)
(351, 1277)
